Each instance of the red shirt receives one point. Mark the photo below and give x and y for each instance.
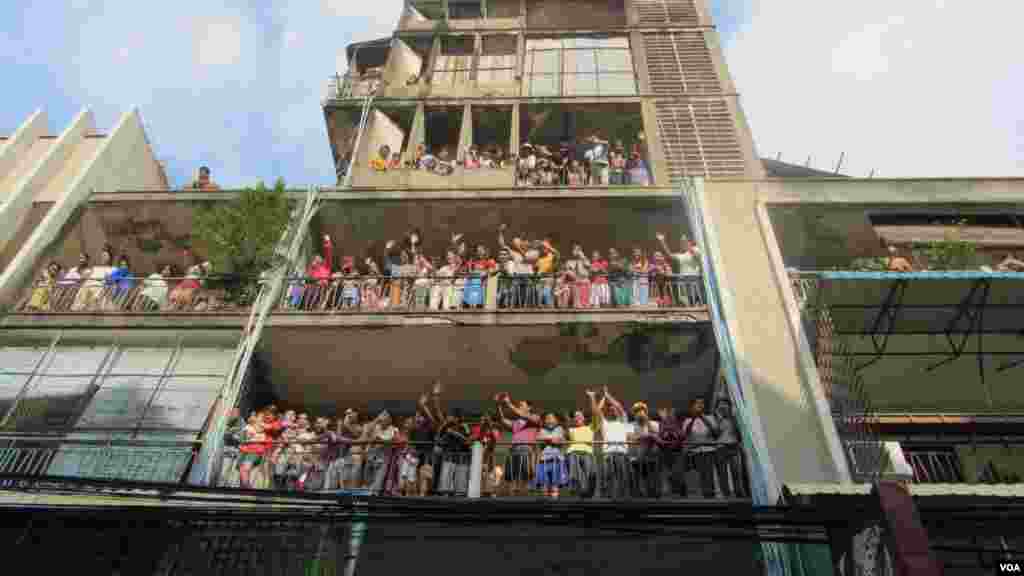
(483, 265)
(599, 271)
(492, 437)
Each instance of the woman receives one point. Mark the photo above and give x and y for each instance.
(41, 294)
(119, 284)
(660, 277)
(70, 283)
(640, 270)
(154, 290)
(185, 294)
(478, 270)
(371, 290)
(94, 286)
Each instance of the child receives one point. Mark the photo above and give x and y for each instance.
(350, 286)
(396, 161)
(582, 468)
(600, 294)
(551, 470)
(380, 162)
(618, 164)
(575, 175)
(563, 288)
(472, 158)
(619, 271)
(408, 461)
(661, 274)
(371, 290)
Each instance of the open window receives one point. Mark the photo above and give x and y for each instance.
(443, 126)
(492, 132)
(366, 67)
(584, 144)
(465, 9)
(454, 65)
(342, 125)
(389, 127)
(497, 59)
(579, 66)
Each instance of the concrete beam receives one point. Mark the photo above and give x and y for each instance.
(31, 130)
(32, 182)
(890, 191)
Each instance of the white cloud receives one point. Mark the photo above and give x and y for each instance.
(906, 88)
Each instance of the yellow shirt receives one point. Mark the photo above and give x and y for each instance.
(379, 164)
(546, 264)
(580, 440)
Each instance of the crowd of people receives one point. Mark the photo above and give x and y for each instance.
(600, 450)
(110, 284)
(526, 273)
(586, 162)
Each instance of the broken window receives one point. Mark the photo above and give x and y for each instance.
(580, 66)
(497, 59)
(454, 63)
(465, 9)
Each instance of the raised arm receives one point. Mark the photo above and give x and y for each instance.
(424, 409)
(507, 401)
(501, 238)
(618, 405)
(596, 408)
(501, 416)
(436, 396)
(663, 243)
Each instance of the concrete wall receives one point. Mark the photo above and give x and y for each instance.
(403, 62)
(33, 181)
(380, 131)
(575, 13)
(776, 371)
(12, 148)
(123, 161)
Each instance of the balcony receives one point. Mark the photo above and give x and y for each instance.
(686, 471)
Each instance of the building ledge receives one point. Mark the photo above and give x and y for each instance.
(239, 319)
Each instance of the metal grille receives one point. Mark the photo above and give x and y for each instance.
(935, 466)
(679, 12)
(680, 63)
(699, 139)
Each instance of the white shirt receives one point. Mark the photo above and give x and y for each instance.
(615, 432)
(688, 262)
(699, 432)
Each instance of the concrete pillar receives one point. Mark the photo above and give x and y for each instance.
(466, 130)
(513, 145)
(10, 152)
(476, 467)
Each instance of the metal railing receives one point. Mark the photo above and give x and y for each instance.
(128, 294)
(107, 459)
(489, 291)
(705, 470)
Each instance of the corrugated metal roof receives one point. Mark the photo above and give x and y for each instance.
(916, 490)
(778, 169)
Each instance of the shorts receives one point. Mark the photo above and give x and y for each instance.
(352, 468)
(552, 473)
(517, 465)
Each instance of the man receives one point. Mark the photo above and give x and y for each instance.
(203, 181)
(597, 156)
(687, 263)
(700, 431)
(613, 428)
(643, 453)
(728, 464)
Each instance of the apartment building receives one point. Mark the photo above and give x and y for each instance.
(519, 126)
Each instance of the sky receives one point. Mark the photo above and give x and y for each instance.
(907, 88)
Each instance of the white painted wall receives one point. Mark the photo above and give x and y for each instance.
(124, 160)
(18, 144)
(403, 62)
(380, 131)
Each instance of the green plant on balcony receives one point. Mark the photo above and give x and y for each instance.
(241, 237)
(950, 253)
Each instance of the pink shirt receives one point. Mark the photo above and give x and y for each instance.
(522, 432)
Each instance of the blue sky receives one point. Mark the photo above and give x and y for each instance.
(900, 87)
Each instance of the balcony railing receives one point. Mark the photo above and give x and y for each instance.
(704, 470)
(492, 292)
(165, 462)
(128, 294)
(372, 293)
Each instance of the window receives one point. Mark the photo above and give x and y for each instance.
(464, 9)
(454, 64)
(585, 66)
(497, 59)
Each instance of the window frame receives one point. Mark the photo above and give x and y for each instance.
(568, 45)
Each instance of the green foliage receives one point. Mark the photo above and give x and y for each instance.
(872, 264)
(951, 253)
(241, 235)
